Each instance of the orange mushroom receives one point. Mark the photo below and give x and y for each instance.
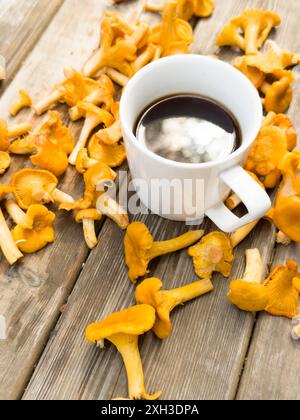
(123, 329)
(74, 89)
(118, 77)
(84, 162)
(214, 253)
(5, 162)
(94, 116)
(255, 25)
(141, 249)
(164, 301)
(10, 132)
(87, 218)
(39, 233)
(254, 74)
(113, 52)
(278, 91)
(113, 155)
(172, 35)
(113, 134)
(282, 290)
(249, 294)
(186, 9)
(286, 212)
(24, 101)
(36, 186)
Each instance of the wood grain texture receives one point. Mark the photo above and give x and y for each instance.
(204, 357)
(32, 292)
(21, 24)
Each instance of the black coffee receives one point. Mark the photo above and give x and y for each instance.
(188, 128)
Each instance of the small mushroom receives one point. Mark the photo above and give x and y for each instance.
(145, 57)
(214, 253)
(123, 329)
(279, 94)
(87, 218)
(94, 116)
(282, 293)
(203, 8)
(285, 124)
(84, 162)
(164, 301)
(36, 186)
(172, 35)
(255, 25)
(96, 179)
(24, 101)
(10, 132)
(74, 89)
(32, 239)
(113, 134)
(186, 9)
(140, 248)
(118, 77)
(113, 155)
(254, 74)
(266, 153)
(115, 53)
(282, 239)
(17, 214)
(5, 162)
(249, 294)
(110, 208)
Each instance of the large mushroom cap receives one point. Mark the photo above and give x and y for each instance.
(251, 297)
(138, 242)
(33, 186)
(133, 321)
(283, 295)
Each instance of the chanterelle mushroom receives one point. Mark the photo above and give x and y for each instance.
(187, 8)
(213, 253)
(87, 218)
(255, 24)
(140, 248)
(113, 155)
(172, 35)
(249, 294)
(94, 116)
(32, 239)
(113, 134)
(10, 132)
(283, 292)
(278, 91)
(7, 243)
(123, 329)
(24, 101)
(286, 212)
(36, 186)
(5, 162)
(164, 301)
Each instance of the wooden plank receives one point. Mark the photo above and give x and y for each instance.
(21, 24)
(32, 292)
(218, 335)
(272, 370)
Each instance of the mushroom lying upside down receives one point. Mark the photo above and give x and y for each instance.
(123, 329)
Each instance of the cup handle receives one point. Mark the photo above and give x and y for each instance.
(251, 194)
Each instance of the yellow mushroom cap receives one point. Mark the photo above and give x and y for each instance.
(32, 240)
(251, 297)
(280, 286)
(203, 8)
(113, 155)
(5, 190)
(213, 253)
(280, 94)
(138, 242)
(133, 321)
(4, 141)
(5, 162)
(88, 214)
(33, 186)
(286, 216)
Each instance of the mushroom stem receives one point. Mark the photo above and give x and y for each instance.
(109, 207)
(265, 87)
(233, 201)
(61, 197)
(95, 98)
(111, 135)
(254, 272)
(17, 214)
(18, 130)
(176, 244)
(48, 101)
(117, 77)
(251, 36)
(88, 127)
(7, 244)
(94, 64)
(155, 8)
(186, 293)
(239, 235)
(89, 233)
(127, 346)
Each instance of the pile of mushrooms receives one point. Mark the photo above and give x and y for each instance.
(91, 96)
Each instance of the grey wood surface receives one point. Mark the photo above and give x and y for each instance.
(205, 356)
(21, 24)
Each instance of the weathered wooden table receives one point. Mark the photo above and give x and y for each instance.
(215, 352)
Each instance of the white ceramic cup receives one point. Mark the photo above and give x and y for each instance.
(210, 183)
